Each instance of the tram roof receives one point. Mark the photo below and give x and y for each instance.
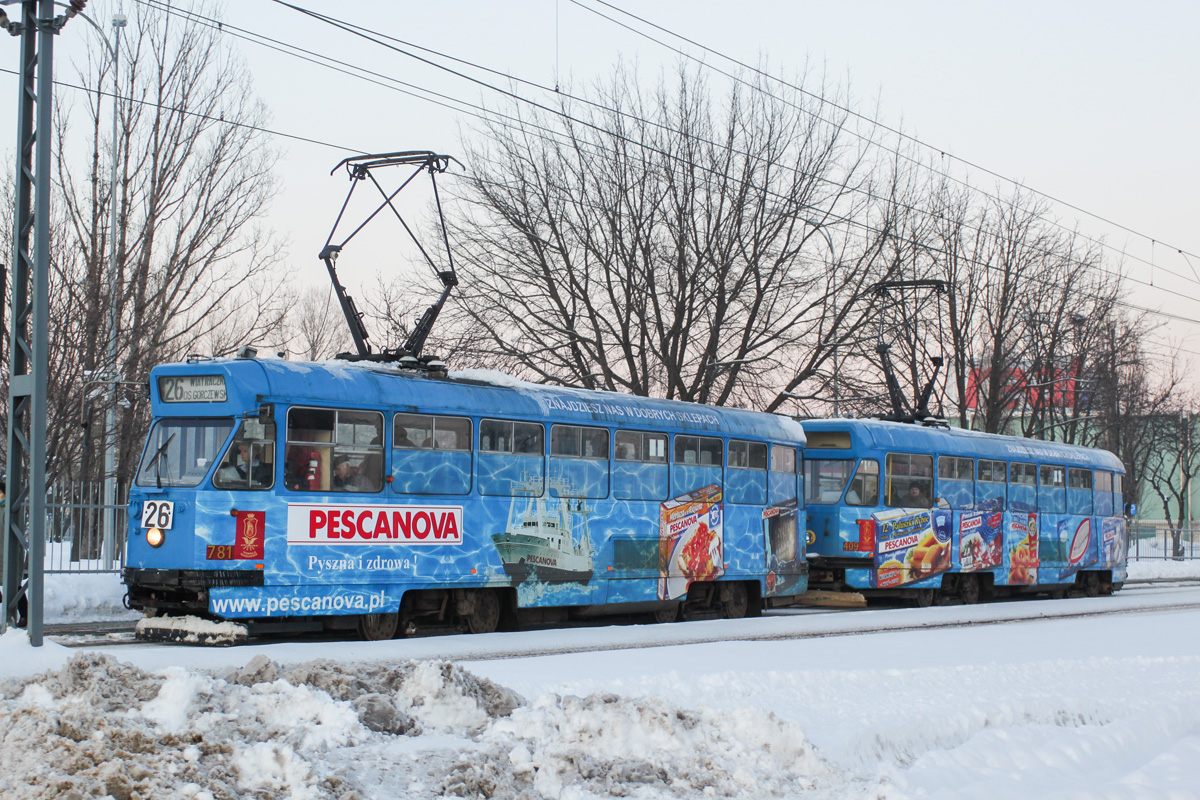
(885, 435)
(471, 392)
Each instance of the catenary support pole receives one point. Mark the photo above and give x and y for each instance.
(25, 511)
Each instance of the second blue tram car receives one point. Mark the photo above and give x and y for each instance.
(929, 513)
(326, 495)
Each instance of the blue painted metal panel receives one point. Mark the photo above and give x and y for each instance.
(560, 531)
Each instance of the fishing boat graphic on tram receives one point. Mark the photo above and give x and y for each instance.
(538, 542)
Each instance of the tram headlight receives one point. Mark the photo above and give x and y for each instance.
(155, 537)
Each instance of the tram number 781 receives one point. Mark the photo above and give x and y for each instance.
(158, 514)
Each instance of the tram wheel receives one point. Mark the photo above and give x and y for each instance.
(735, 600)
(924, 598)
(485, 616)
(1091, 584)
(378, 627)
(667, 614)
(968, 589)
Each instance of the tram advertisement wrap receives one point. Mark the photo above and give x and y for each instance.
(981, 545)
(910, 546)
(690, 541)
(237, 602)
(319, 523)
(781, 533)
(1080, 551)
(1022, 548)
(1112, 542)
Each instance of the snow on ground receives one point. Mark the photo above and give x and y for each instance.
(1091, 707)
(97, 597)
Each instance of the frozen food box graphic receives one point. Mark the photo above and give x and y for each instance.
(910, 546)
(1080, 553)
(1022, 548)
(1112, 541)
(690, 542)
(980, 539)
(781, 531)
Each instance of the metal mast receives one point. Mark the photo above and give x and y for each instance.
(25, 511)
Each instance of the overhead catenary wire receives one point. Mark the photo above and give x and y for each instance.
(870, 121)
(199, 115)
(381, 39)
(491, 115)
(370, 33)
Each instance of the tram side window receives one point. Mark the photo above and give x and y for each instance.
(1079, 491)
(646, 448)
(640, 466)
(909, 480)
(1103, 488)
(785, 472)
(249, 462)
(956, 481)
(992, 479)
(1118, 494)
(512, 458)
(334, 450)
(697, 463)
(1052, 495)
(864, 486)
(429, 432)
(578, 461)
(746, 481)
(1022, 486)
(431, 454)
(825, 479)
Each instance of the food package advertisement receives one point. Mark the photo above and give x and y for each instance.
(690, 542)
(910, 546)
(1080, 551)
(980, 537)
(1113, 542)
(781, 532)
(1022, 552)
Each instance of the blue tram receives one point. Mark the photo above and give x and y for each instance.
(935, 513)
(285, 495)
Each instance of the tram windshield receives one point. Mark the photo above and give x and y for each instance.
(825, 478)
(179, 452)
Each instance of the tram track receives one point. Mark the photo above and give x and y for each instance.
(826, 634)
(119, 633)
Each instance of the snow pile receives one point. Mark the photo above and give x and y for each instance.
(99, 727)
(86, 597)
(322, 729)
(606, 745)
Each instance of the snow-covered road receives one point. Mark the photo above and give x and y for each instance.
(1103, 705)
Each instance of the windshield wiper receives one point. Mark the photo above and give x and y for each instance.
(153, 462)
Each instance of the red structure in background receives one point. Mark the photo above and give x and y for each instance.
(1025, 390)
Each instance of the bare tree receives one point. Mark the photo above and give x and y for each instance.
(315, 325)
(1172, 465)
(669, 244)
(194, 178)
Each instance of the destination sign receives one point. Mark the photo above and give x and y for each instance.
(192, 388)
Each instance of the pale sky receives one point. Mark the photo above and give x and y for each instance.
(1088, 102)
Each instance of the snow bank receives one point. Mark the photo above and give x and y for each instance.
(88, 597)
(99, 727)
(321, 729)
(1149, 569)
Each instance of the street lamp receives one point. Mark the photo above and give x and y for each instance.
(110, 416)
